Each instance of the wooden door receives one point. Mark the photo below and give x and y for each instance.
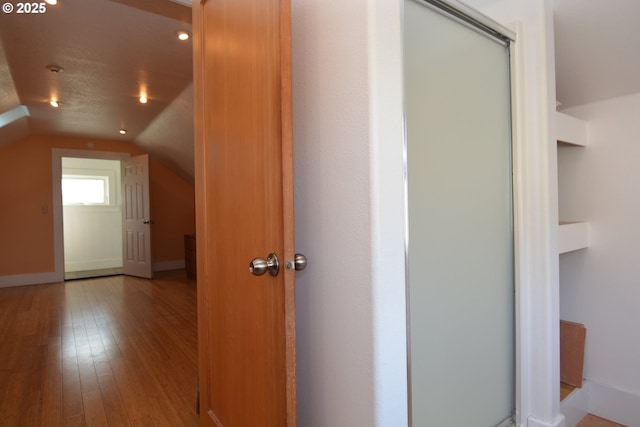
(244, 210)
(136, 217)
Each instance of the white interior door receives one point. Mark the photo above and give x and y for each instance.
(136, 217)
(461, 274)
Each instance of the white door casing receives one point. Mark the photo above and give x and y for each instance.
(56, 176)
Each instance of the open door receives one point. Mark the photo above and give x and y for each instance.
(136, 222)
(244, 213)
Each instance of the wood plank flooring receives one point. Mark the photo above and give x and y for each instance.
(565, 390)
(114, 351)
(593, 421)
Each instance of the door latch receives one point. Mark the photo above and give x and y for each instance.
(259, 266)
(298, 263)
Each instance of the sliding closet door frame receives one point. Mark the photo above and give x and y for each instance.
(489, 28)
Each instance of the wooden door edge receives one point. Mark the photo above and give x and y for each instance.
(288, 209)
(200, 209)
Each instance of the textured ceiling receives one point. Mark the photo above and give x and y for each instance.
(111, 52)
(597, 49)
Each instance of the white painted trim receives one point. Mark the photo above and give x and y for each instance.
(576, 406)
(571, 130)
(535, 219)
(604, 401)
(96, 264)
(614, 404)
(389, 303)
(176, 264)
(573, 236)
(56, 176)
(28, 279)
(52, 276)
(558, 422)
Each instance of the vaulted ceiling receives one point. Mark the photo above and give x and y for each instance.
(97, 58)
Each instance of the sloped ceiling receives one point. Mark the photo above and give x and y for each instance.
(14, 130)
(110, 53)
(597, 49)
(112, 50)
(170, 134)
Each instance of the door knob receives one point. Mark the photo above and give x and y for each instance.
(259, 266)
(299, 263)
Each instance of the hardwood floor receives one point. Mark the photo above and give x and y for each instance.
(593, 421)
(113, 351)
(565, 390)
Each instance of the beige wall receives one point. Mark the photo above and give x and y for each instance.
(26, 214)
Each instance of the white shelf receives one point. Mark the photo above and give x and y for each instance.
(570, 130)
(573, 236)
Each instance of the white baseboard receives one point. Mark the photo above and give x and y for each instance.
(95, 264)
(168, 265)
(576, 406)
(53, 277)
(617, 405)
(558, 422)
(29, 279)
(620, 406)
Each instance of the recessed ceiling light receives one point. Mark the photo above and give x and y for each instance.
(123, 131)
(54, 103)
(52, 2)
(183, 35)
(55, 68)
(143, 100)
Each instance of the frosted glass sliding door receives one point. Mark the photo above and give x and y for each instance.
(460, 232)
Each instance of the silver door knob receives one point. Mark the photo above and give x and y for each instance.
(259, 266)
(299, 263)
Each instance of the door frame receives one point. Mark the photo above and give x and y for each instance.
(56, 176)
